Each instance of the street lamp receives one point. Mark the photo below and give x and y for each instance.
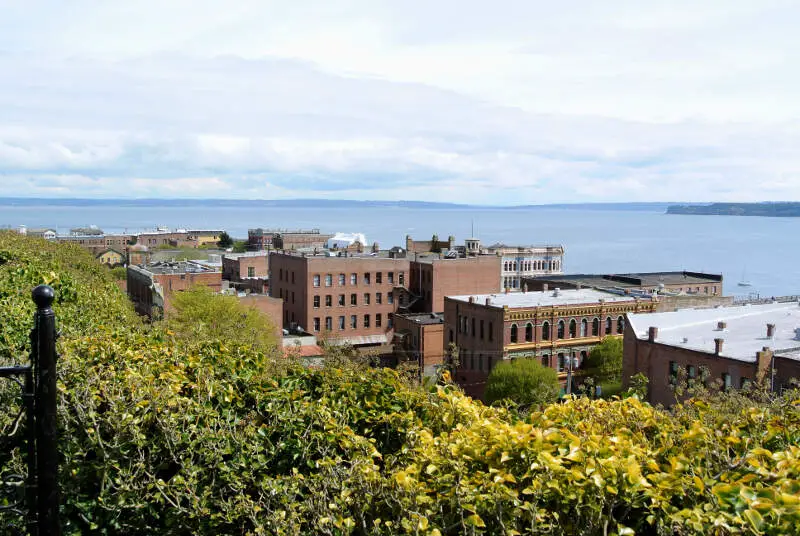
(571, 362)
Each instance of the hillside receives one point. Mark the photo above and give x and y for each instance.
(164, 435)
(788, 210)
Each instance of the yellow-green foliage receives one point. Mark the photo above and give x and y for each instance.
(162, 435)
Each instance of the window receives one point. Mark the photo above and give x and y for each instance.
(341, 300)
(292, 296)
(620, 324)
(280, 290)
(251, 271)
(328, 323)
(366, 298)
(328, 300)
(401, 279)
(390, 321)
(673, 372)
(366, 321)
(389, 298)
(546, 331)
(491, 331)
(561, 327)
(316, 280)
(474, 333)
(316, 324)
(328, 280)
(292, 278)
(341, 322)
(513, 333)
(481, 329)
(562, 362)
(726, 381)
(353, 279)
(353, 321)
(341, 280)
(280, 274)
(691, 371)
(529, 332)
(584, 327)
(390, 277)
(378, 298)
(545, 360)
(595, 327)
(378, 320)
(451, 336)
(609, 322)
(573, 329)
(353, 299)
(744, 383)
(366, 278)
(378, 278)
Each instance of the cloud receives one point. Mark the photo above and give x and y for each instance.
(509, 102)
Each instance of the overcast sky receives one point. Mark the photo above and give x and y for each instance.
(502, 101)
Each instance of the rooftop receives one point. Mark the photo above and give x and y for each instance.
(745, 331)
(423, 318)
(521, 300)
(245, 254)
(500, 245)
(177, 267)
(636, 279)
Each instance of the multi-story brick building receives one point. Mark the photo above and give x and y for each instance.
(151, 287)
(419, 338)
(432, 277)
(281, 239)
(238, 266)
(434, 245)
(668, 283)
(520, 262)
(348, 298)
(96, 244)
(165, 237)
(554, 327)
(735, 345)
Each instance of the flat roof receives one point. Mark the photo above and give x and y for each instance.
(423, 318)
(521, 300)
(744, 335)
(178, 267)
(636, 279)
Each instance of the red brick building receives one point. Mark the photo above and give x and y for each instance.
(271, 307)
(99, 243)
(339, 298)
(735, 345)
(151, 287)
(419, 338)
(163, 238)
(433, 277)
(551, 326)
(683, 283)
(239, 266)
(281, 239)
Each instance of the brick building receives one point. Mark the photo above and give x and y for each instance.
(432, 277)
(668, 283)
(419, 338)
(339, 298)
(735, 344)
(281, 239)
(550, 326)
(434, 245)
(151, 287)
(97, 244)
(165, 237)
(271, 307)
(239, 266)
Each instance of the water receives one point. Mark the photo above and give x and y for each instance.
(762, 250)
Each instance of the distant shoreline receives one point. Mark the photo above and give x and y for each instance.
(770, 210)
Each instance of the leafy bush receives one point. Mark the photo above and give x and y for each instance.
(604, 362)
(162, 434)
(522, 381)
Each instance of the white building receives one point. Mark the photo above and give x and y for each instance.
(527, 261)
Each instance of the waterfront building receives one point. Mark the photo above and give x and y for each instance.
(733, 345)
(96, 244)
(665, 283)
(554, 327)
(281, 239)
(520, 262)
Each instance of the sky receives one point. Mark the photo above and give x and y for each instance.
(468, 101)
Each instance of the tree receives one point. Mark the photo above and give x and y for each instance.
(225, 241)
(200, 314)
(239, 246)
(523, 381)
(119, 273)
(604, 363)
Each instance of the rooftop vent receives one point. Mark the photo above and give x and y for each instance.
(721, 326)
(770, 330)
(718, 346)
(488, 301)
(556, 292)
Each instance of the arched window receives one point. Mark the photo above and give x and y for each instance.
(595, 327)
(546, 331)
(561, 327)
(609, 322)
(584, 327)
(620, 324)
(546, 361)
(573, 329)
(505, 266)
(529, 332)
(513, 333)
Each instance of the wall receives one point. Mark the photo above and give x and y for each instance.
(271, 307)
(235, 268)
(437, 278)
(422, 342)
(172, 283)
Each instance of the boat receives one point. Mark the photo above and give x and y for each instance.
(744, 282)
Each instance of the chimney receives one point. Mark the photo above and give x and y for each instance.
(524, 288)
(721, 326)
(488, 301)
(472, 299)
(652, 334)
(545, 287)
(718, 346)
(770, 330)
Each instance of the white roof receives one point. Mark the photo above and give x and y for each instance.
(518, 300)
(744, 335)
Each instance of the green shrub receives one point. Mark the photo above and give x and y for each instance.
(522, 381)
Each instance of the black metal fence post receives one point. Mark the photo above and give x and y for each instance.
(44, 362)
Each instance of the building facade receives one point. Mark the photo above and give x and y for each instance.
(204, 237)
(434, 245)
(348, 299)
(165, 238)
(239, 266)
(730, 346)
(151, 287)
(419, 339)
(96, 244)
(553, 327)
(432, 277)
(281, 239)
(682, 282)
(519, 262)
(111, 257)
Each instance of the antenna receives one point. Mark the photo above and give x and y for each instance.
(473, 229)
